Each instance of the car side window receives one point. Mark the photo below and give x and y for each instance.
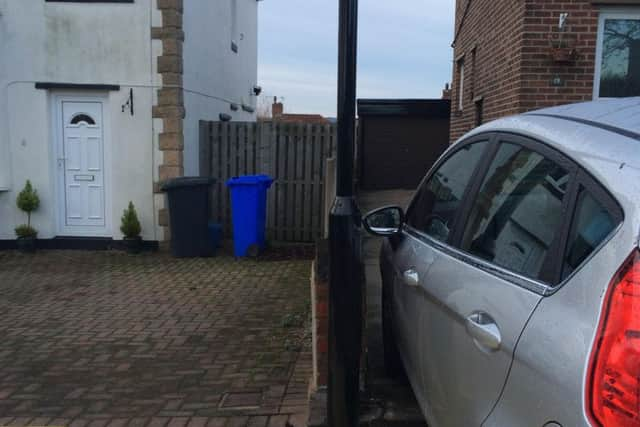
(518, 211)
(592, 223)
(438, 200)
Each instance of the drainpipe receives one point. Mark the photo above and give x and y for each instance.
(346, 271)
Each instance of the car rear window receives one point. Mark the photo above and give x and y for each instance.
(592, 223)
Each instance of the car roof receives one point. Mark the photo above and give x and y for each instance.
(619, 113)
(601, 135)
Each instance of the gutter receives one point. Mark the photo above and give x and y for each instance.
(464, 16)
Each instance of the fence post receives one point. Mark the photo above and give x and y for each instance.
(264, 145)
(329, 192)
(204, 152)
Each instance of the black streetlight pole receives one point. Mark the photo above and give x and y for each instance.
(345, 280)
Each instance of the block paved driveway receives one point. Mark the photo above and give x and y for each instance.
(106, 339)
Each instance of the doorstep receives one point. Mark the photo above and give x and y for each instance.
(79, 244)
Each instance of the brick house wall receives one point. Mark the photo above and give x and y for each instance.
(489, 44)
(506, 47)
(539, 69)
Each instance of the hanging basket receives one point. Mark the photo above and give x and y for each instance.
(563, 55)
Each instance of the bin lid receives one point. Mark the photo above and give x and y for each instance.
(250, 180)
(186, 181)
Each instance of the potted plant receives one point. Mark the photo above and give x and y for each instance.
(27, 201)
(563, 54)
(130, 227)
(563, 50)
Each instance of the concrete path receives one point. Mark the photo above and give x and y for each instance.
(104, 339)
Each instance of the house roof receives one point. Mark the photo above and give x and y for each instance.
(433, 108)
(304, 118)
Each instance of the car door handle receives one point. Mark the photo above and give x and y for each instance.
(411, 277)
(484, 331)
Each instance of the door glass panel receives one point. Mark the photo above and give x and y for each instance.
(591, 225)
(438, 200)
(620, 66)
(82, 118)
(518, 211)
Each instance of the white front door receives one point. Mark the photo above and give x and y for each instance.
(81, 167)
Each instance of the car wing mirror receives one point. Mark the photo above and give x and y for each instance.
(385, 221)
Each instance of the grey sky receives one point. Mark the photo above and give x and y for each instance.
(404, 50)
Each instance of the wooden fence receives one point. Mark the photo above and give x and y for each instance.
(294, 154)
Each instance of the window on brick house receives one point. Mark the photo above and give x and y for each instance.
(460, 84)
(618, 55)
(474, 72)
(479, 103)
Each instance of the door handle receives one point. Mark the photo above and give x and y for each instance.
(484, 331)
(411, 277)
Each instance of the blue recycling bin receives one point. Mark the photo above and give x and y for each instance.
(249, 212)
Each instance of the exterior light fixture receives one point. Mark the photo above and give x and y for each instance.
(129, 104)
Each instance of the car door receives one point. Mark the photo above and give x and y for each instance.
(488, 279)
(432, 213)
(406, 266)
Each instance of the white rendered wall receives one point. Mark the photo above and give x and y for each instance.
(4, 150)
(214, 75)
(99, 43)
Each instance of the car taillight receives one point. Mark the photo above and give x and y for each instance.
(613, 396)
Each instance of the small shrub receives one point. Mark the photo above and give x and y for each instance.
(25, 230)
(130, 225)
(28, 201)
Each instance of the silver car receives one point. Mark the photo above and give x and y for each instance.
(511, 285)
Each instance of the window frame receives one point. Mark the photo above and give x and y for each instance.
(452, 246)
(608, 13)
(549, 264)
(485, 158)
(461, 73)
(474, 66)
(578, 177)
(606, 199)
